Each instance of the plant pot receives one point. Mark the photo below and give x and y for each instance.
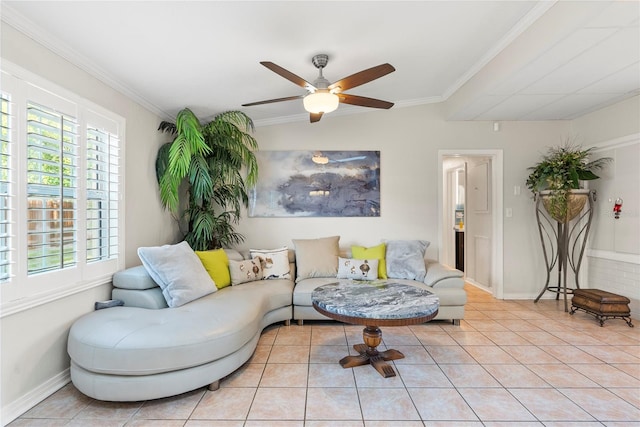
(575, 203)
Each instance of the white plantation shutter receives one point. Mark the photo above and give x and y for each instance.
(103, 148)
(6, 188)
(52, 189)
(61, 189)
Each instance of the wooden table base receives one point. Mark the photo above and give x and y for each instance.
(369, 353)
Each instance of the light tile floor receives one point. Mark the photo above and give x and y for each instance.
(509, 363)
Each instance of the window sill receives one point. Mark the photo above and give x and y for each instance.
(13, 307)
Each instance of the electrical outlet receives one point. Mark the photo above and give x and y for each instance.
(508, 212)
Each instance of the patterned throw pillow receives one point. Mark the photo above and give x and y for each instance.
(375, 252)
(275, 262)
(245, 271)
(405, 259)
(357, 269)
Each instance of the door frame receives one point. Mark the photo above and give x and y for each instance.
(497, 186)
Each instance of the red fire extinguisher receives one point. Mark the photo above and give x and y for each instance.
(617, 208)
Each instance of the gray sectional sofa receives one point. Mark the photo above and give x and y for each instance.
(145, 350)
(444, 282)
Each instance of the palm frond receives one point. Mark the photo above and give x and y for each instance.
(169, 191)
(203, 225)
(167, 127)
(189, 126)
(202, 185)
(162, 160)
(180, 156)
(237, 118)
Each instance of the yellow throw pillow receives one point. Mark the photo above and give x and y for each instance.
(216, 263)
(374, 252)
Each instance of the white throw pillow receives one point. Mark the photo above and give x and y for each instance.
(245, 271)
(178, 271)
(357, 269)
(275, 262)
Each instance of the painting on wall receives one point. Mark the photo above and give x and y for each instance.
(316, 184)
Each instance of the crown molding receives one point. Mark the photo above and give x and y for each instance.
(18, 21)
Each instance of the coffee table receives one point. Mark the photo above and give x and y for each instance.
(374, 304)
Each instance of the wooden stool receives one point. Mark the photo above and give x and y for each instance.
(602, 304)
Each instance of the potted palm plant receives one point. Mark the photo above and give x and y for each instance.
(557, 178)
(209, 160)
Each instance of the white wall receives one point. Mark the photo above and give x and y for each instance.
(409, 140)
(33, 343)
(615, 121)
(613, 260)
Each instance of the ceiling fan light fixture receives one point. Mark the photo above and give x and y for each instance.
(321, 101)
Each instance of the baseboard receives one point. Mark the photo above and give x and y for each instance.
(478, 285)
(14, 409)
(531, 296)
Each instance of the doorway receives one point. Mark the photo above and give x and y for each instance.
(470, 215)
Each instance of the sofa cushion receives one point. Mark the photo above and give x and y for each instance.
(441, 276)
(216, 263)
(245, 271)
(136, 278)
(448, 296)
(405, 259)
(137, 341)
(317, 257)
(375, 252)
(233, 255)
(358, 269)
(178, 271)
(147, 298)
(304, 288)
(275, 262)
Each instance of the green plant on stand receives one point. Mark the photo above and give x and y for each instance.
(209, 160)
(559, 173)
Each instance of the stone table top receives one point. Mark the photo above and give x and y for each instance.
(378, 300)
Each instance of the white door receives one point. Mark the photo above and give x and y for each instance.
(448, 215)
(453, 197)
(483, 224)
(479, 220)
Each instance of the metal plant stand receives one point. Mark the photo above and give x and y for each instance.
(563, 245)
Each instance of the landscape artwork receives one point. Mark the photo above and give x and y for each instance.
(316, 184)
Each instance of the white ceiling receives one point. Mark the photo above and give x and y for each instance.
(487, 60)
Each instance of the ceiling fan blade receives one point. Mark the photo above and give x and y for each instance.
(362, 101)
(271, 101)
(361, 77)
(288, 75)
(315, 117)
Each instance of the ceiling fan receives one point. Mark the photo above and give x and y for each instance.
(323, 96)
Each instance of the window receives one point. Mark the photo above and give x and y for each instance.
(102, 194)
(61, 220)
(5, 188)
(52, 188)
